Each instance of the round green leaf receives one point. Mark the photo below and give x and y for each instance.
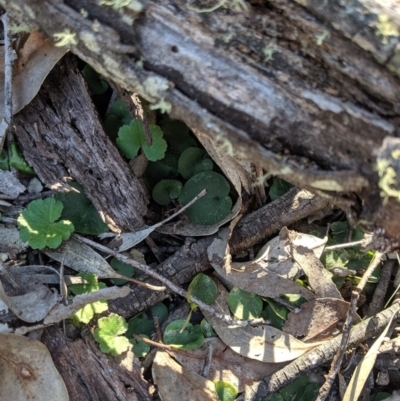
(190, 338)
(121, 268)
(140, 348)
(215, 205)
(166, 190)
(225, 391)
(160, 311)
(155, 151)
(80, 211)
(140, 324)
(204, 288)
(244, 305)
(207, 329)
(193, 161)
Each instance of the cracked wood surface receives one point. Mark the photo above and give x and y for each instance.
(309, 91)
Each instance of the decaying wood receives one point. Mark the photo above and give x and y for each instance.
(309, 94)
(61, 136)
(90, 375)
(192, 257)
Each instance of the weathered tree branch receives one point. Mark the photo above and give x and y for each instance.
(307, 94)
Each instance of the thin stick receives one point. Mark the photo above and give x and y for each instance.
(9, 57)
(346, 245)
(168, 283)
(337, 360)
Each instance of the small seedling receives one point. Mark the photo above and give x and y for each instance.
(194, 161)
(166, 190)
(132, 137)
(109, 334)
(86, 314)
(215, 205)
(80, 211)
(18, 161)
(39, 226)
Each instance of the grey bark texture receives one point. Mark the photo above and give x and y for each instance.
(309, 89)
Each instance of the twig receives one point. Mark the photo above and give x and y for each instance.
(317, 356)
(378, 299)
(168, 283)
(207, 360)
(9, 57)
(346, 245)
(337, 360)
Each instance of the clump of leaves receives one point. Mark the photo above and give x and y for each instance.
(96, 84)
(132, 137)
(118, 115)
(166, 190)
(244, 305)
(193, 161)
(215, 205)
(18, 161)
(86, 314)
(121, 268)
(109, 334)
(189, 338)
(39, 226)
(80, 211)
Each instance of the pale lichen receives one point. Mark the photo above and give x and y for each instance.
(385, 28)
(162, 105)
(322, 36)
(225, 145)
(65, 38)
(269, 51)
(234, 5)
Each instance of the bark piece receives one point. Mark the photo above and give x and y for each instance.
(61, 135)
(90, 375)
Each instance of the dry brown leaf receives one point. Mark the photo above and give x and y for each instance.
(32, 306)
(226, 364)
(317, 319)
(257, 280)
(177, 383)
(27, 371)
(276, 255)
(264, 343)
(319, 278)
(36, 59)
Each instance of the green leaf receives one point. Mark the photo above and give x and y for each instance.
(86, 314)
(140, 324)
(225, 391)
(278, 188)
(108, 334)
(276, 313)
(212, 207)
(132, 137)
(190, 338)
(18, 161)
(204, 288)
(140, 348)
(165, 191)
(207, 329)
(176, 133)
(122, 268)
(300, 390)
(160, 311)
(275, 397)
(38, 224)
(118, 116)
(244, 305)
(193, 161)
(96, 84)
(79, 210)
